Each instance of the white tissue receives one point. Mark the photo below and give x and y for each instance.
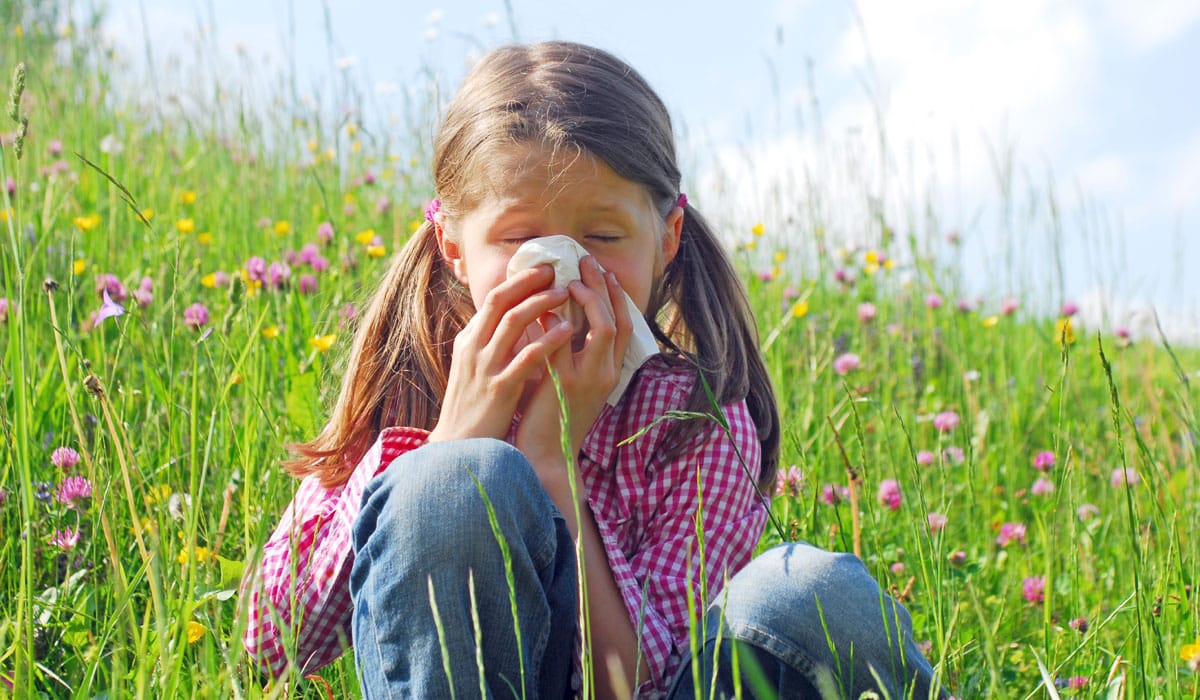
(563, 253)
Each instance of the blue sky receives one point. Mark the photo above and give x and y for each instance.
(1091, 99)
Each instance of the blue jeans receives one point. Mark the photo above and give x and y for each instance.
(425, 539)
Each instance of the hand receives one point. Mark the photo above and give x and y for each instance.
(587, 374)
(494, 358)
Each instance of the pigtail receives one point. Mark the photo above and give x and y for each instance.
(399, 361)
(708, 319)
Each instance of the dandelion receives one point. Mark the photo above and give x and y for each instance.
(1124, 476)
(789, 482)
(205, 238)
(79, 266)
(87, 223)
(1190, 653)
(197, 554)
(846, 363)
(800, 309)
(65, 458)
(108, 309)
(925, 458)
(322, 342)
(65, 539)
(1034, 589)
(889, 494)
(282, 228)
(1042, 487)
(866, 312)
(1064, 332)
(195, 316)
(376, 251)
(195, 631)
(72, 491)
(946, 421)
(365, 237)
(1042, 461)
(177, 504)
(990, 321)
(1009, 533)
(187, 197)
(937, 522)
(147, 214)
(758, 229)
(270, 332)
(934, 301)
(186, 226)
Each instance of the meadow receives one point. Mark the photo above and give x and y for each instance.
(177, 292)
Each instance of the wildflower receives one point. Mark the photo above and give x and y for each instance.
(957, 558)
(196, 554)
(800, 309)
(41, 491)
(177, 504)
(1069, 308)
(790, 292)
(889, 494)
(112, 284)
(6, 306)
(72, 490)
(1042, 487)
(54, 148)
(109, 309)
(322, 342)
(320, 263)
(79, 266)
(1086, 512)
(308, 284)
(1042, 461)
(65, 539)
(187, 197)
(1034, 589)
(933, 301)
(186, 226)
(205, 238)
(3, 497)
(834, 494)
(897, 568)
(195, 631)
(1009, 533)
(1009, 306)
(11, 185)
(376, 251)
(846, 363)
(1077, 682)
(789, 482)
(937, 522)
(365, 237)
(282, 228)
(1064, 332)
(325, 233)
(925, 458)
(308, 253)
(347, 313)
(1190, 653)
(965, 306)
(866, 312)
(264, 222)
(65, 458)
(195, 315)
(87, 223)
(144, 294)
(256, 269)
(971, 375)
(147, 213)
(766, 275)
(953, 237)
(1079, 624)
(110, 145)
(758, 229)
(1125, 476)
(278, 273)
(946, 421)
(990, 321)
(954, 454)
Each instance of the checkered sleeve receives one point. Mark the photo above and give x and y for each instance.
(711, 484)
(298, 598)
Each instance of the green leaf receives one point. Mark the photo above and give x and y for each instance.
(301, 401)
(231, 572)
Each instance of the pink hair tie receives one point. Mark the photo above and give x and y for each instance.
(682, 201)
(432, 209)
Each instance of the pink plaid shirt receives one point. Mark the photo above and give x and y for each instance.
(644, 507)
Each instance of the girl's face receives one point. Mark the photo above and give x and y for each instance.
(541, 194)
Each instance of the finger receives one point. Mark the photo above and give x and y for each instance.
(621, 316)
(517, 321)
(509, 293)
(534, 356)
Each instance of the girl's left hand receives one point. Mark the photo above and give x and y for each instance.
(587, 375)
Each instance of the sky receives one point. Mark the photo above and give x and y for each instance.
(1046, 135)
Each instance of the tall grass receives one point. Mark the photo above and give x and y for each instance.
(180, 428)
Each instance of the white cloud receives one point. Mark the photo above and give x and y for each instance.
(1146, 25)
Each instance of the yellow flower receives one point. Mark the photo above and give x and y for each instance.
(204, 238)
(188, 197)
(348, 198)
(1064, 332)
(282, 228)
(87, 223)
(351, 130)
(158, 494)
(195, 631)
(414, 225)
(356, 146)
(800, 309)
(198, 554)
(365, 237)
(18, 31)
(322, 342)
(751, 244)
(79, 266)
(376, 251)
(758, 229)
(313, 145)
(270, 332)
(236, 379)
(330, 154)
(186, 226)
(870, 268)
(872, 258)
(889, 264)
(990, 321)
(1190, 653)
(5, 213)
(780, 256)
(147, 213)
(209, 280)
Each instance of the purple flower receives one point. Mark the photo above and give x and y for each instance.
(937, 522)
(41, 491)
(1086, 512)
(432, 210)
(11, 186)
(220, 278)
(1034, 589)
(957, 557)
(841, 275)
(1011, 532)
(965, 306)
(5, 307)
(3, 497)
(790, 292)
(1126, 476)
(1079, 624)
(195, 315)
(383, 205)
(144, 294)
(65, 539)
(256, 268)
(1042, 487)
(925, 458)
(110, 283)
(72, 490)
(1077, 682)
(109, 309)
(933, 301)
(320, 263)
(278, 274)
(55, 148)
(889, 494)
(65, 458)
(309, 253)
(946, 421)
(1069, 308)
(846, 363)
(325, 233)
(833, 494)
(954, 453)
(1042, 461)
(1009, 306)
(308, 284)
(866, 312)
(1122, 332)
(789, 482)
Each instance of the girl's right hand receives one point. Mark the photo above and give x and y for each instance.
(493, 358)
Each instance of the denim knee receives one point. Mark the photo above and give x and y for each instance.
(823, 615)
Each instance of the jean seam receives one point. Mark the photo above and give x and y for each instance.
(777, 646)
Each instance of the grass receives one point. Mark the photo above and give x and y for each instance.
(180, 429)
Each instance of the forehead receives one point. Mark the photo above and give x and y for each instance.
(540, 174)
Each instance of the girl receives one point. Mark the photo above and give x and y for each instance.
(439, 525)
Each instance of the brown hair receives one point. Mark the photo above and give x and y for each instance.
(559, 95)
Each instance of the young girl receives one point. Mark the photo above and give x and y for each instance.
(439, 526)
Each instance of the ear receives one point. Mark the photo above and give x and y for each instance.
(451, 253)
(672, 234)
